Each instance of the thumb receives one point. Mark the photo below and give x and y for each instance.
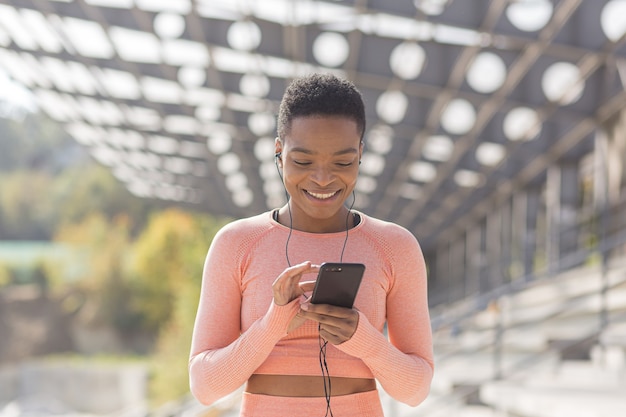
(307, 286)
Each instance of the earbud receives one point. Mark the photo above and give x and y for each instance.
(277, 155)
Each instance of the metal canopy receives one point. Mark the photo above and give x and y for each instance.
(467, 101)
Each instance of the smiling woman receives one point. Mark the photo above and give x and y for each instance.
(320, 159)
(255, 323)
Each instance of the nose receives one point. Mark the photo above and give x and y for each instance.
(323, 175)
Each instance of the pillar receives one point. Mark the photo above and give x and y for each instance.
(562, 196)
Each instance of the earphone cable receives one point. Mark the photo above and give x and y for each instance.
(345, 241)
(325, 373)
(322, 343)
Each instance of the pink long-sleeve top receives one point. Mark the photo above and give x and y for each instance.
(240, 331)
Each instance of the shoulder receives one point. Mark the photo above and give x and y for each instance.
(242, 230)
(387, 231)
(394, 242)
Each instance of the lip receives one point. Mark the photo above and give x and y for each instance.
(322, 196)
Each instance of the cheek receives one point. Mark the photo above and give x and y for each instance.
(292, 178)
(351, 178)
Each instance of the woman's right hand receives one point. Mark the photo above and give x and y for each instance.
(287, 287)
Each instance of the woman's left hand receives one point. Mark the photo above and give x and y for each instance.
(337, 324)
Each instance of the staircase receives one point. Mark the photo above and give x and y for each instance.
(554, 349)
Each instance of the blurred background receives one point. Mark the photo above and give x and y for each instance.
(132, 130)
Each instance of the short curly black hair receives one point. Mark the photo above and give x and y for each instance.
(320, 94)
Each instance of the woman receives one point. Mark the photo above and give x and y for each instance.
(255, 324)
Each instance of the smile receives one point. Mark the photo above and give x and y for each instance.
(322, 196)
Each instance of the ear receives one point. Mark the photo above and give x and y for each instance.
(361, 147)
(278, 149)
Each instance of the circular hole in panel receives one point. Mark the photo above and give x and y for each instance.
(487, 73)
(268, 170)
(208, 113)
(244, 35)
(613, 19)
(169, 25)
(422, 171)
(191, 76)
(372, 164)
(273, 186)
(366, 184)
(261, 123)
(438, 148)
(380, 139)
(391, 106)
(219, 142)
(459, 117)
(236, 181)
(331, 49)
(407, 60)
(410, 191)
(521, 123)
(254, 85)
(264, 149)
(529, 15)
(490, 154)
(467, 178)
(430, 7)
(243, 197)
(229, 163)
(562, 83)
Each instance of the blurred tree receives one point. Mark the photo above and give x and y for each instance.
(24, 206)
(108, 290)
(6, 275)
(47, 180)
(84, 189)
(169, 258)
(37, 143)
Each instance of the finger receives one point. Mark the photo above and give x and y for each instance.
(307, 286)
(286, 286)
(332, 336)
(328, 310)
(293, 272)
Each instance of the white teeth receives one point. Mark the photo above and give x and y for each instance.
(322, 196)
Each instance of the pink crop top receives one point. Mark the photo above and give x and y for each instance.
(240, 331)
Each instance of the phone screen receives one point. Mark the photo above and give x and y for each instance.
(337, 284)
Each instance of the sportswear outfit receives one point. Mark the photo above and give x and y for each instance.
(240, 331)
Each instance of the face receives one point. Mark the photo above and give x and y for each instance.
(320, 163)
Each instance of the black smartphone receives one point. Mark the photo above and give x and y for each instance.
(337, 284)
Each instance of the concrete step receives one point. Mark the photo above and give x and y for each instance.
(542, 401)
(477, 367)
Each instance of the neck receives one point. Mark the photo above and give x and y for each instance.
(298, 221)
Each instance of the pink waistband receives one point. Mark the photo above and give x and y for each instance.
(363, 404)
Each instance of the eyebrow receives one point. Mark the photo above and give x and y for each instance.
(312, 152)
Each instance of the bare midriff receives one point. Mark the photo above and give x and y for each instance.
(306, 386)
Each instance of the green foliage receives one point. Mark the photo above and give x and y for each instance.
(48, 180)
(108, 289)
(36, 143)
(81, 190)
(137, 270)
(23, 205)
(173, 250)
(6, 275)
(148, 286)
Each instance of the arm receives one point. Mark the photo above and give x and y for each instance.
(403, 364)
(222, 358)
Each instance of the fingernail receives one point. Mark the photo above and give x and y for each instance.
(304, 307)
